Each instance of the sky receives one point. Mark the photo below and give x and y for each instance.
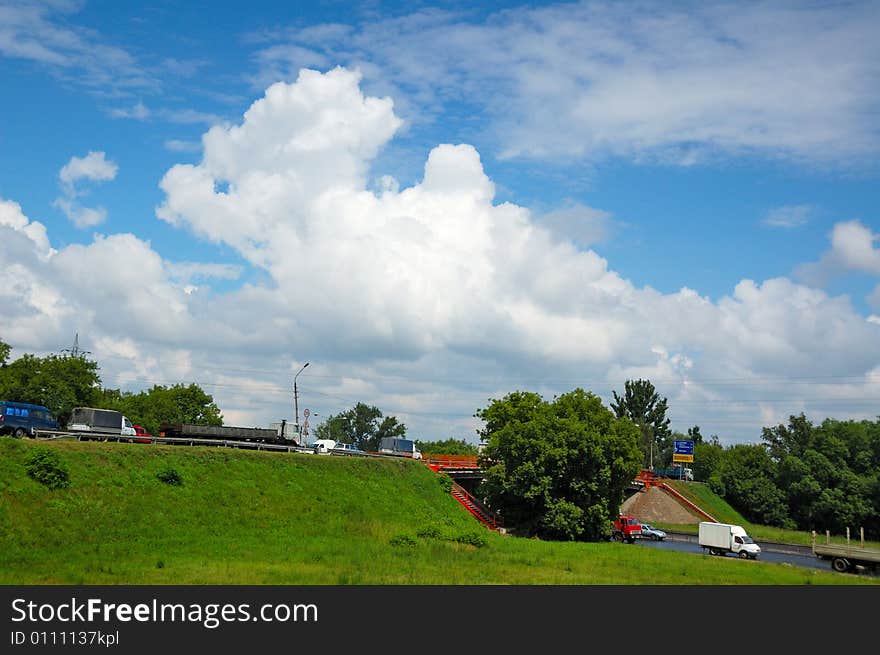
(437, 204)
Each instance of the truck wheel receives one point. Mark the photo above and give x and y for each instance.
(840, 565)
(20, 433)
(743, 554)
(617, 536)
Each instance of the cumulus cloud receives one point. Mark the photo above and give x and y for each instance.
(583, 225)
(94, 167)
(648, 81)
(852, 249)
(405, 273)
(425, 300)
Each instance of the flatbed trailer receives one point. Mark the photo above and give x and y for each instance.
(846, 557)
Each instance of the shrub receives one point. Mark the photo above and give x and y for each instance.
(44, 466)
(430, 532)
(170, 476)
(402, 540)
(472, 538)
(445, 482)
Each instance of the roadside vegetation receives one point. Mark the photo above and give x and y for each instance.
(707, 500)
(246, 517)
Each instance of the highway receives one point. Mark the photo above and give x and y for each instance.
(777, 553)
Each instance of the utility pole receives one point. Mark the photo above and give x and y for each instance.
(296, 404)
(75, 351)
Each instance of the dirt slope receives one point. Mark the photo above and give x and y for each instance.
(657, 506)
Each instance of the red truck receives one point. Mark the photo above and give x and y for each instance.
(142, 435)
(626, 528)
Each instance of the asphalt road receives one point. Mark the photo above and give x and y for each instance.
(777, 553)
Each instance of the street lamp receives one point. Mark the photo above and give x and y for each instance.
(296, 403)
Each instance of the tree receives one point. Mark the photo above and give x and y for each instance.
(176, 404)
(5, 349)
(557, 470)
(58, 382)
(643, 406)
(447, 447)
(747, 474)
(362, 425)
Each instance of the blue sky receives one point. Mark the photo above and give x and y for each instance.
(582, 193)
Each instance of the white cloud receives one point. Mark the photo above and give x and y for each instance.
(138, 112)
(188, 116)
(177, 145)
(94, 167)
(651, 81)
(852, 249)
(424, 300)
(583, 225)
(82, 217)
(788, 216)
(40, 32)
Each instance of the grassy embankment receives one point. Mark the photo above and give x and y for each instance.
(245, 517)
(700, 494)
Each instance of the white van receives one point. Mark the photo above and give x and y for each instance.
(323, 446)
(723, 538)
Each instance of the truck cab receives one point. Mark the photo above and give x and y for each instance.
(626, 528)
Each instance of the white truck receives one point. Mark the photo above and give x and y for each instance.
(399, 447)
(723, 538)
(100, 422)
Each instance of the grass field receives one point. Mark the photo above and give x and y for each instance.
(244, 517)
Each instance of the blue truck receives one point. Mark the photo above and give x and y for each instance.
(676, 473)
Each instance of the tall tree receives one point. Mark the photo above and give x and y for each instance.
(60, 382)
(362, 425)
(160, 404)
(557, 470)
(643, 406)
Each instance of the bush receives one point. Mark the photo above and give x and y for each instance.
(446, 482)
(477, 539)
(44, 466)
(402, 540)
(430, 532)
(170, 476)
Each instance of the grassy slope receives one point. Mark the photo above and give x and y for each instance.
(264, 518)
(707, 500)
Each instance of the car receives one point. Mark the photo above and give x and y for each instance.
(346, 449)
(323, 446)
(650, 532)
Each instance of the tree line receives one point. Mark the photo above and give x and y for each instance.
(62, 382)
(557, 469)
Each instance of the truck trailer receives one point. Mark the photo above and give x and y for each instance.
(93, 421)
(723, 538)
(845, 558)
(228, 432)
(399, 447)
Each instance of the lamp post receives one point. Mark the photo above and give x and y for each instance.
(296, 403)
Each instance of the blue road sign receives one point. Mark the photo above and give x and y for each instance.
(684, 447)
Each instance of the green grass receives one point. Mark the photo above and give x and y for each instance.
(707, 500)
(243, 517)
